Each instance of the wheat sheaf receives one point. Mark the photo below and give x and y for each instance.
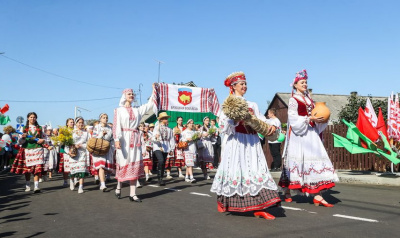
(236, 109)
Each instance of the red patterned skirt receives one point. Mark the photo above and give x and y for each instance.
(169, 162)
(148, 162)
(19, 165)
(264, 199)
(179, 163)
(311, 188)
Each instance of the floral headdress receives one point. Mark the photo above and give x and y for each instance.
(233, 79)
(123, 97)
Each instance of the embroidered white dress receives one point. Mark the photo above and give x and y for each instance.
(104, 161)
(79, 165)
(129, 158)
(307, 167)
(243, 169)
(243, 182)
(189, 153)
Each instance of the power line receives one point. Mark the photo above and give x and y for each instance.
(56, 75)
(82, 100)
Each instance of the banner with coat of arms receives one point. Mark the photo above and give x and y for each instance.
(180, 98)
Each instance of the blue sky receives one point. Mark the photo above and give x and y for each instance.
(344, 45)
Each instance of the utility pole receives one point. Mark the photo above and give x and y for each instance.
(159, 67)
(78, 111)
(140, 93)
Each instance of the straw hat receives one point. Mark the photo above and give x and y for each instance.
(151, 125)
(163, 115)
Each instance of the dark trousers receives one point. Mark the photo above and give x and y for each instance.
(275, 149)
(161, 157)
(217, 154)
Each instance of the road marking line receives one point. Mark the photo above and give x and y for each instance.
(154, 186)
(293, 208)
(200, 194)
(173, 189)
(355, 218)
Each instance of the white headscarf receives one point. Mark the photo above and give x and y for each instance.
(123, 97)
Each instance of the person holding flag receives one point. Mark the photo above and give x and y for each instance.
(307, 168)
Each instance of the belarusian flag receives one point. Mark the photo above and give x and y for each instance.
(381, 126)
(366, 127)
(370, 113)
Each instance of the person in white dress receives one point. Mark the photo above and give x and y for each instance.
(104, 163)
(64, 161)
(206, 153)
(189, 153)
(128, 142)
(243, 182)
(307, 168)
(80, 163)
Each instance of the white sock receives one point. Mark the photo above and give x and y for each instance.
(186, 176)
(133, 188)
(103, 184)
(96, 177)
(80, 186)
(191, 177)
(119, 185)
(75, 180)
(168, 173)
(71, 181)
(147, 176)
(36, 184)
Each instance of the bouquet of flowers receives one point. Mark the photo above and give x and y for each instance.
(212, 131)
(196, 136)
(177, 130)
(65, 138)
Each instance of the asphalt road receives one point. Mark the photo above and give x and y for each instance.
(182, 209)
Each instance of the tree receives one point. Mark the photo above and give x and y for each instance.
(350, 111)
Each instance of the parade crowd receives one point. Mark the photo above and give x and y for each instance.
(129, 150)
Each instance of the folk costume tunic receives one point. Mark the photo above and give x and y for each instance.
(129, 158)
(307, 167)
(79, 165)
(179, 157)
(104, 161)
(189, 153)
(243, 182)
(206, 154)
(50, 155)
(30, 157)
(147, 147)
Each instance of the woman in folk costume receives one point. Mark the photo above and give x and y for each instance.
(64, 157)
(30, 158)
(80, 163)
(307, 167)
(128, 142)
(189, 153)
(243, 182)
(104, 163)
(206, 154)
(179, 159)
(50, 153)
(163, 144)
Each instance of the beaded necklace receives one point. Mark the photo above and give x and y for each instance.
(310, 106)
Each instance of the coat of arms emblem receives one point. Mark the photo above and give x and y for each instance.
(184, 96)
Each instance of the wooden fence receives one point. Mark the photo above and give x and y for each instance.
(341, 158)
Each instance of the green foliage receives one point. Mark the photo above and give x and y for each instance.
(350, 111)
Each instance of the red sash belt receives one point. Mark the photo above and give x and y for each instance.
(135, 140)
(241, 128)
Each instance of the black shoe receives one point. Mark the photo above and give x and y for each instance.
(134, 200)
(97, 182)
(118, 195)
(161, 182)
